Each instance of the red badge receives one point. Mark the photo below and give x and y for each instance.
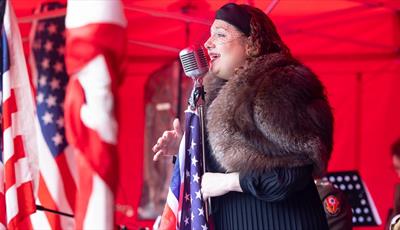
(332, 205)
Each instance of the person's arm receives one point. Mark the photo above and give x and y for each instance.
(276, 184)
(273, 185)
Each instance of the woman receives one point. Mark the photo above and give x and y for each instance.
(269, 128)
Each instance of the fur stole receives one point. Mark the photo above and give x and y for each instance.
(272, 113)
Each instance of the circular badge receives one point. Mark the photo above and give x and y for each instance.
(332, 205)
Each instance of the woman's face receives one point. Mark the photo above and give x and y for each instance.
(226, 47)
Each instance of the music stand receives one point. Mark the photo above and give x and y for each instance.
(362, 205)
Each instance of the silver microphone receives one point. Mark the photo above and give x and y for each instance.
(194, 61)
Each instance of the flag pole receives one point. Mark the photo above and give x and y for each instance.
(196, 101)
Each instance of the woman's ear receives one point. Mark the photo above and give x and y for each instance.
(252, 48)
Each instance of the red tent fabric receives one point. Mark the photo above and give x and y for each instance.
(352, 45)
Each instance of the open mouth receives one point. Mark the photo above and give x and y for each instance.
(213, 56)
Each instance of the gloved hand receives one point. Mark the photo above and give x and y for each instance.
(218, 184)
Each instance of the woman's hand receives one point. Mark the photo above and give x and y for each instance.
(168, 143)
(218, 184)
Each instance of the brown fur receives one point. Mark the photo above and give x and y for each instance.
(272, 113)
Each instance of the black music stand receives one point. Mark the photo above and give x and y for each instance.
(362, 205)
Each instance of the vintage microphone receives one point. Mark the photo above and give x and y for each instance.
(194, 61)
(195, 65)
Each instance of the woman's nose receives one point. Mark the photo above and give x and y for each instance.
(209, 44)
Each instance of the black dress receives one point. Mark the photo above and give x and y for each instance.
(282, 198)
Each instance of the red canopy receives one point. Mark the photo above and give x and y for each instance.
(352, 45)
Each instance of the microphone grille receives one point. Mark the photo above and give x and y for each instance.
(188, 62)
(194, 61)
(202, 57)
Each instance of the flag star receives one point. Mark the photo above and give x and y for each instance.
(45, 63)
(52, 28)
(60, 122)
(204, 227)
(198, 195)
(193, 144)
(57, 139)
(192, 127)
(42, 80)
(192, 216)
(196, 178)
(201, 211)
(51, 101)
(194, 161)
(58, 67)
(187, 196)
(61, 50)
(55, 84)
(47, 118)
(48, 46)
(186, 220)
(40, 98)
(187, 173)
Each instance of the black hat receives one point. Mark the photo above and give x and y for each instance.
(236, 15)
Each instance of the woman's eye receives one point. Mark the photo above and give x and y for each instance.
(221, 35)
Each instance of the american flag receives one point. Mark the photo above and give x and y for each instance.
(185, 208)
(95, 47)
(57, 180)
(18, 171)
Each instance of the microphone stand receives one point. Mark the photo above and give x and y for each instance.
(196, 101)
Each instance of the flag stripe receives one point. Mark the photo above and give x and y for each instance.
(12, 206)
(9, 107)
(109, 12)
(57, 187)
(17, 211)
(67, 179)
(22, 173)
(2, 198)
(18, 164)
(17, 110)
(20, 222)
(85, 190)
(47, 201)
(39, 219)
(100, 192)
(95, 51)
(8, 147)
(70, 160)
(53, 180)
(6, 90)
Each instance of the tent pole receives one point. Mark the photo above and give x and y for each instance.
(43, 15)
(163, 14)
(358, 120)
(155, 46)
(271, 6)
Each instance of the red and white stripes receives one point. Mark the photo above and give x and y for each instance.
(19, 138)
(95, 50)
